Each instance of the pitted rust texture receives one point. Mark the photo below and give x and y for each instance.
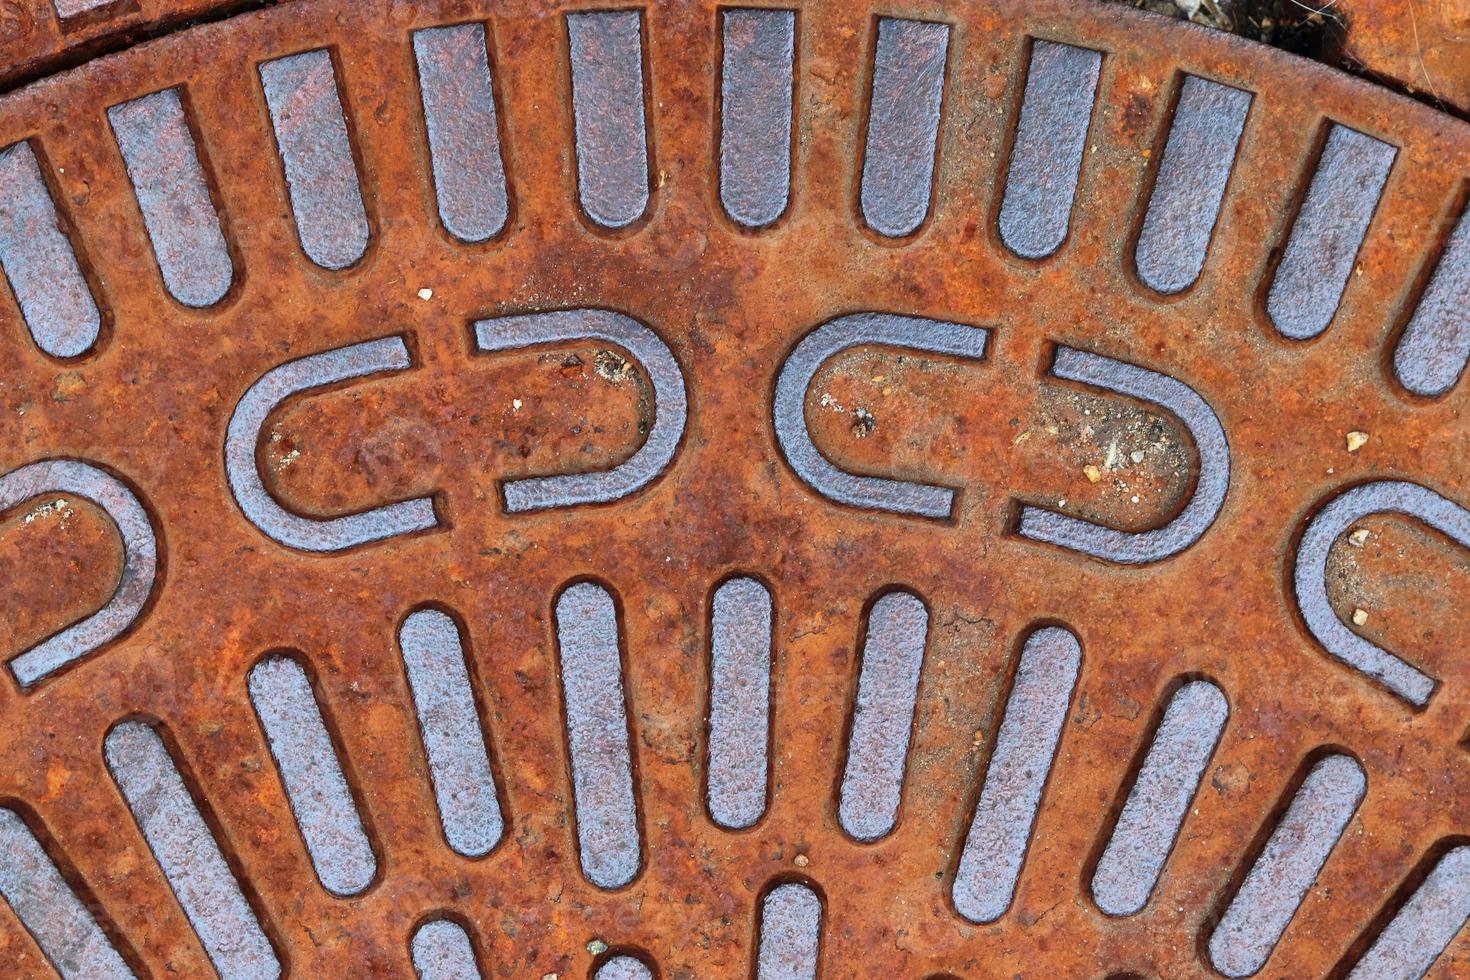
(149, 395)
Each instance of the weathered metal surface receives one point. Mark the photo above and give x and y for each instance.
(559, 330)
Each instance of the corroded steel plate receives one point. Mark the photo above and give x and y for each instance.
(925, 490)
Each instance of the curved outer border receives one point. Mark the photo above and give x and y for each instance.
(139, 570)
(801, 366)
(1348, 507)
(1140, 547)
(671, 403)
(243, 436)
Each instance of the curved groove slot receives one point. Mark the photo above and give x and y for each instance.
(134, 585)
(790, 933)
(597, 735)
(168, 181)
(449, 723)
(442, 950)
(1046, 160)
(883, 715)
(243, 437)
(188, 854)
(1288, 865)
(739, 702)
(1193, 173)
(1349, 507)
(1435, 345)
(321, 175)
(1139, 547)
(1025, 746)
(624, 967)
(1328, 231)
(1426, 924)
(1150, 820)
(312, 774)
(903, 125)
(55, 916)
(789, 406)
(671, 405)
(757, 83)
(458, 98)
(606, 50)
(39, 261)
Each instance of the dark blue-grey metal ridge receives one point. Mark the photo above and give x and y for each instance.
(671, 403)
(243, 436)
(801, 366)
(1349, 507)
(140, 560)
(1139, 547)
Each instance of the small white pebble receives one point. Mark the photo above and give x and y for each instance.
(1134, 498)
(597, 947)
(1360, 616)
(1356, 440)
(515, 404)
(1358, 538)
(1136, 455)
(426, 293)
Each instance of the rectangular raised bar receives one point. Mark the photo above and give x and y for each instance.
(597, 735)
(464, 136)
(449, 722)
(39, 261)
(188, 854)
(1190, 184)
(168, 181)
(739, 704)
(756, 92)
(903, 124)
(312, 774)
(316, 153)
(606, 50)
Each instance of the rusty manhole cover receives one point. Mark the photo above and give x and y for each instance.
(917, 490)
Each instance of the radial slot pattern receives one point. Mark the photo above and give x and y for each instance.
(790, 933)
(60, 921)
(40, 261)
(464, 138)
(753, 208)
(168, 179)
(1282, 873)
(883, 715)
(1327, 232)
(1025, 745)
(449, 723)
(597, 735)
(739, 702)
(326, 814)
(178, 834)
(321, 175)
(1150, 820)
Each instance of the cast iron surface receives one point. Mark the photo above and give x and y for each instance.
(928, 489)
